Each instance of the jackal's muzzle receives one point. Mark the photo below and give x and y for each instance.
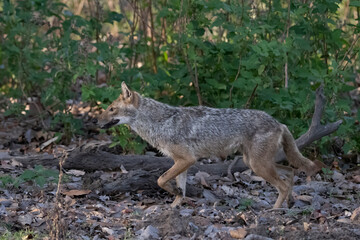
(110, 124)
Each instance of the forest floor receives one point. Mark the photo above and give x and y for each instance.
(328, 207)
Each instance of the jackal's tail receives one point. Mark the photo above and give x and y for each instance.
(294, 156)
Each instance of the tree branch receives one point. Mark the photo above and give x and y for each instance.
(316, 130)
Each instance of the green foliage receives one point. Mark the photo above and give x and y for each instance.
(69, 126)
(327, 173)
(228, 47)
(20, 235)
(6, 180)
(349, 131)
(14, 109)
(39, 175)
(245, 204)
(46, 61)
(295, 212)
(91, 93)
(130, 142)
(307, 211)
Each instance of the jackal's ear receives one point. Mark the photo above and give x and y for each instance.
(125, 91)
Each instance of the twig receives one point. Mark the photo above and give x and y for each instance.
(143, 20)
(284, 210)
(194, 77)
(286, 72)
(236, 77)
(152, 38)
(47, 143)
(132, 25)
(62, 160)
(242, 12)
(287, 35)
(326, 55)
(58, 223)
(163, 26)
(348, 51)
(247, 105)
(196, 83)
(26, 96)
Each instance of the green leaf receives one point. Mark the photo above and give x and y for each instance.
(6, 180)
(261, 69)
(164, 12)
(216, 84)
(199, 32)
(239, 83)
(123, 142)
(165, 56)
(28, 175)
(39, 168)
(354, 3)
(40, 180)
(13, 48)
(113, 144)
(50, 173)
(114, 17)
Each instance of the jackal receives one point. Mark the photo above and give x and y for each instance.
(187, 134)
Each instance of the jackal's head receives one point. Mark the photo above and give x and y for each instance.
(122, 111)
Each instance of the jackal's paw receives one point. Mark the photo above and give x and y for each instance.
(177, 202)
(290, 201)
(178, 191)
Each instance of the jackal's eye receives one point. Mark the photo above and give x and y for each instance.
(111, 109)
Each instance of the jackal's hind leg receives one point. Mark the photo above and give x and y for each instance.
(288, 174)
(181, 184)
(265, 167)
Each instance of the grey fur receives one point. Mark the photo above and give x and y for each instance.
(204, 131)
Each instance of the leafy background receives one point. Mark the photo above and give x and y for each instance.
(188, 52)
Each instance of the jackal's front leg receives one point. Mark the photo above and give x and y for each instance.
(178, 170)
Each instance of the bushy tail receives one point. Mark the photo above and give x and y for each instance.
(294, 156)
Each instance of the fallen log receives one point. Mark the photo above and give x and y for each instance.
(92, 161)
(105, 161)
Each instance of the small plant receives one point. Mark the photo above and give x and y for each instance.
(128, 235)
(307, 211)
(130, 142)
(23, 234)
(327, 173)
(245, 203)
(69, 126)
(6, 180)
(39, 175)
(15, 109)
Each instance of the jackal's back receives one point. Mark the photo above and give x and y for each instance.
(201, 130)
